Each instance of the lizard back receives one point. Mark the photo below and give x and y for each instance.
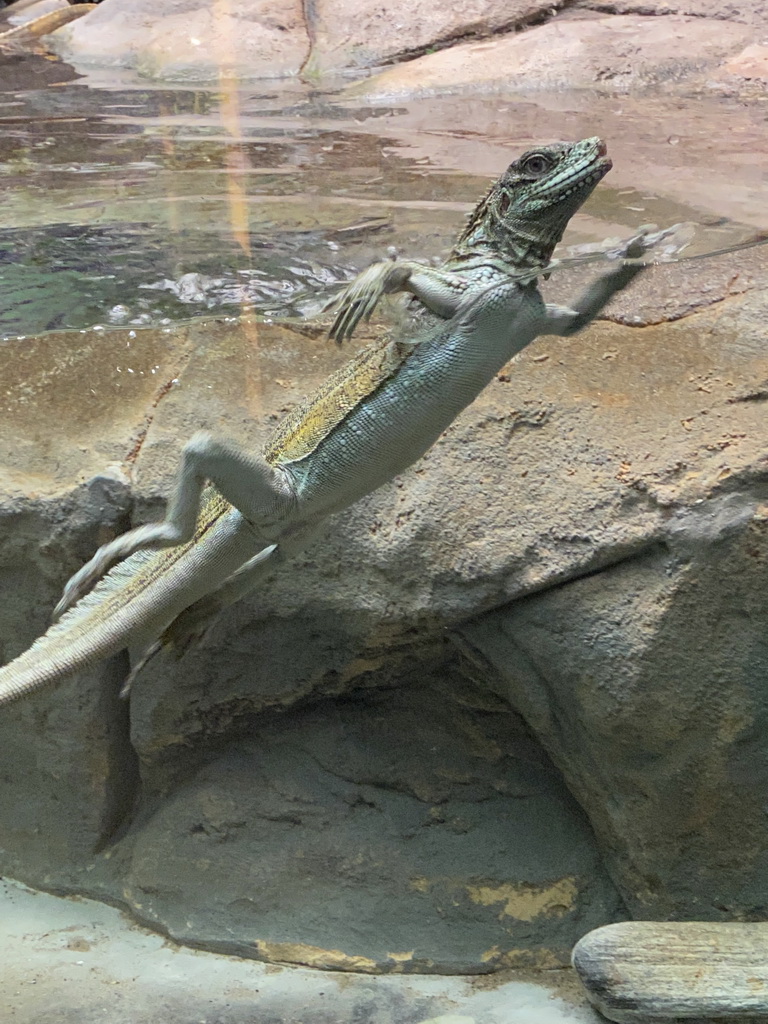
(313, 419)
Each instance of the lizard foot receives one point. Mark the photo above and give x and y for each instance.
(678, 236)
(187, 629)
(359, 299)
(191, 625)
(146, 657)
(84, 580)
(153, 535)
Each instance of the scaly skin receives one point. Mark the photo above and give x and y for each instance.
(367, 423)
(504, 237)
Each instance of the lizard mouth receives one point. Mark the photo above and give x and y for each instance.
(603, 162)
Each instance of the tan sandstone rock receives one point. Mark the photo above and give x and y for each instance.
(189, 39)
(619, 54)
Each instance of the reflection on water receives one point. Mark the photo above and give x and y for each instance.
(136, 204)
(74, 276)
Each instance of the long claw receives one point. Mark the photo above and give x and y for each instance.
(83, 581)
(359, 300)
(146, 657)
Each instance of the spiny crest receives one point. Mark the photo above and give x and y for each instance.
(314, 419)
(113, 584)
(126, 579)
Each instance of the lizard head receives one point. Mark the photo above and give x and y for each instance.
(526, 211)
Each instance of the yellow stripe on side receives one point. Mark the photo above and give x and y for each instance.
(316, 417)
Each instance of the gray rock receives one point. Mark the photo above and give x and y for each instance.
(408, 830)
(386, 32)
(69, 773)
(592, 532)
(188, 40)
(647, 971)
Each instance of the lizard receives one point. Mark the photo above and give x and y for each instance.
(236, 514)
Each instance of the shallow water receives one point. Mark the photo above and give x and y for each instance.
(129, 203)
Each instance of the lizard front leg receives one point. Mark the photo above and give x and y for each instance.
(563, 321)
(261, 493)
(438, 291)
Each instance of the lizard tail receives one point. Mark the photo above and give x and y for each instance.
(97, 627)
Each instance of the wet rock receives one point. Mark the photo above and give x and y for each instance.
(190, 40)
(619, 54)
(347, 34)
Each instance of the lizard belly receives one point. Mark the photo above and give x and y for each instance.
(398, 422)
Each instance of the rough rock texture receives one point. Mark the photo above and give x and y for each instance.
(748, 12)
(462, 852)
(646, 681)
(592, 531)
(346, 33)
(200, 40)
(413, 829)
(622, 53)
(66, 790)
(751, 65)
(640, 971)
(189, 39)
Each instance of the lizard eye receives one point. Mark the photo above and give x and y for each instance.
(536, 164)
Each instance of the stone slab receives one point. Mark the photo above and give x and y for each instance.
(640, 971)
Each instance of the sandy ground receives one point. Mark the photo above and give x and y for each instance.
(75, 960)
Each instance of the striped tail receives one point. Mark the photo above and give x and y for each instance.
(98, 626)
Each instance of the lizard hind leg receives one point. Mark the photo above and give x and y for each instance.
(191, 625)
(258, 491)
(142, 661)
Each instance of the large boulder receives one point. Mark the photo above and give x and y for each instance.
(350, 34)
(195, 40)
(584, 547)
(620, 53)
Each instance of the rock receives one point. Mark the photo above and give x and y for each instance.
(645, 680)
(187, 40)
(643, 971)
(414, 829)
(592, 533)
(618, 54)
(751, 64)
(670, 294)
(749, 13)
(69, 772)
(20, 13)
(346, 33)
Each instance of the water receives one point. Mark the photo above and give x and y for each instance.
(133, 204)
